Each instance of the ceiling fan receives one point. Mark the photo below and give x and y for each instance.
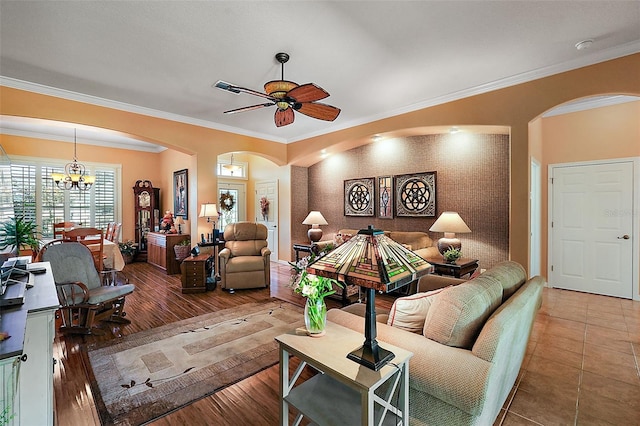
(288, 97)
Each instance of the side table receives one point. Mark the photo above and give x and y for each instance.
(302, 247)
(194, 274)
(460, 268)
(333, 395)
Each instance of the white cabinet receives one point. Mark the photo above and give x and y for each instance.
(26, 372)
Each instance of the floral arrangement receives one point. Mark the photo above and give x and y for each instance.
(264, 207)
(315, 289)
(452, 254)
(226, 201)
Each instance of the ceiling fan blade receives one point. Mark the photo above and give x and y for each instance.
(248, 108)
(283, 117)
(318, 110)
(307, 93)
(223, 85)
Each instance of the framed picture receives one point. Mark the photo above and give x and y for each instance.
(385, 197)
(415, 195)
(359, 197)
(180, 193)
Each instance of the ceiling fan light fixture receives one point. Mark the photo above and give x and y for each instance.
(279, 88)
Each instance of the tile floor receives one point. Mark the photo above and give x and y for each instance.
(582, 365)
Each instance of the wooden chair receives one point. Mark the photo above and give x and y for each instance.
(83, 300)
(93, 238)
(60, 228)
(113, 231)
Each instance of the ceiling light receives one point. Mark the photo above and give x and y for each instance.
(74, 176)
(454, 130)
(584, 44)
(231, 167)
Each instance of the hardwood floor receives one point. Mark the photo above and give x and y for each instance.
(582, 364)
(156, 301)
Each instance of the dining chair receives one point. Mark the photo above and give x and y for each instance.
(113, 231)
(60, 228)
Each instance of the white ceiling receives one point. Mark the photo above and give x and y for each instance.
(376, 58)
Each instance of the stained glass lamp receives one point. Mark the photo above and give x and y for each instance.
(373, 261)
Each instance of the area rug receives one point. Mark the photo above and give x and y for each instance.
(151, 373)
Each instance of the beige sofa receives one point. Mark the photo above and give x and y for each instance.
(468, 342)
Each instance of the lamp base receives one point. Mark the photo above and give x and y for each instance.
(314, 234)
(373, 358)
(445, 243)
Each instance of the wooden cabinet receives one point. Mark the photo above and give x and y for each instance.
(160, 251)
(147, 210)
(194, 273)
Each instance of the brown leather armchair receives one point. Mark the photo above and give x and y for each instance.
(244, 262)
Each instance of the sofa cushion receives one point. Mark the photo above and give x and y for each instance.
(459, 312)
(409, 312)
(510, 274)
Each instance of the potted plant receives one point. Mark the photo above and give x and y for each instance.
(452, 254)
(182, 249)
(128, 250)
(19, 234)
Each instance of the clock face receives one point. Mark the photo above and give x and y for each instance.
(144, 200)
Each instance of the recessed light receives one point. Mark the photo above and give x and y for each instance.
(584, 44)
(454, 130)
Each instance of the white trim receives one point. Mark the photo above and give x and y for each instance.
(590, 103)
(635, 245)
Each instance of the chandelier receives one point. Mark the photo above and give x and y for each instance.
(74, 176)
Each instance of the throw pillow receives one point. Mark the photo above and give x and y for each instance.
(459, 312)
(409, 312)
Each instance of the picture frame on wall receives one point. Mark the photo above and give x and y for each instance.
(415, 195)
(181, 193)
(359, 197)
(385, 197)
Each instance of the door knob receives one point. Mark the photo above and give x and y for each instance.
(624, 237)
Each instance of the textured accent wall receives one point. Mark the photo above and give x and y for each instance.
(472, 179)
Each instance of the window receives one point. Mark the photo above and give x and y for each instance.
(228, 197)
(37, 198)
(232, 169)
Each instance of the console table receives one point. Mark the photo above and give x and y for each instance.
(160, 251)
(334, 395)
(26, 359)
(460, 268)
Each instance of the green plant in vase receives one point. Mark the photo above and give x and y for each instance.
(315, 289)
(452, 254)
(128, 250)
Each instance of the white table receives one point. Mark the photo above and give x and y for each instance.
(342, 385)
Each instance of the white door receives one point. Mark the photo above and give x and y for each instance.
(591, 228)
(234, 208)
(268, 216)
(535, 213)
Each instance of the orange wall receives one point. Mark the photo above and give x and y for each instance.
(602, 133)
(514, 107)
(135, 165)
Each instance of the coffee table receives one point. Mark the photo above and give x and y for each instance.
(334, 394)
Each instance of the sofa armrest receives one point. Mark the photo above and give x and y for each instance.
(453, 375)
(265, 252)
(433, 282)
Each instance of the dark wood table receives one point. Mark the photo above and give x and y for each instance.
(460, 268)
(304, 247)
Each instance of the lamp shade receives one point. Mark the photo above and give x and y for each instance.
(179, 220)
(315, 218)
(450, 222)
(209, 210)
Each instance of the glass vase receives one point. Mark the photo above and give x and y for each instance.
(315, 316)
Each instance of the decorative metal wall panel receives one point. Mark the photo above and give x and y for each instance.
(359, 197)
(385, 197)
(415, 195)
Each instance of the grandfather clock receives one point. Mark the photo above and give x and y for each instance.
(147, 207)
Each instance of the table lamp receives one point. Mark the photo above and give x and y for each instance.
(450, 223)
(179, 221)
(375, 262)
(210, 211)
(315, 219)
